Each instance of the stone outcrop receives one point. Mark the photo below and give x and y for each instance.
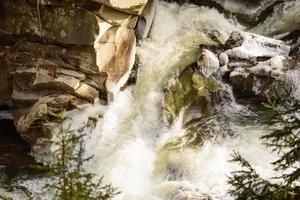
(68, 53)
(254, 65)
(116, 41)
(191, 94)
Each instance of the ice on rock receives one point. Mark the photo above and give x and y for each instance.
(248, 46)
(223, 58)
(272, 67)
(239, 72)
(208, 63)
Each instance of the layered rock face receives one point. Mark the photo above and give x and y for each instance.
(55, 53)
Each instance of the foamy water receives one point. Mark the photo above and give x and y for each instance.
(129, 139)
(128, 142)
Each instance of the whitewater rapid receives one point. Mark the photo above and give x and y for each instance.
(128, 141)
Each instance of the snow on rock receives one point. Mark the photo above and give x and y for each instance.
(208, 63)
(224, 60)
(244, 45)
(254, 65)
(272, 67)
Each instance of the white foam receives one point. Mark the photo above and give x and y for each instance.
(285, 18)
(128, 141)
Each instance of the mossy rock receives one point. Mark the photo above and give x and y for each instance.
(192, 94)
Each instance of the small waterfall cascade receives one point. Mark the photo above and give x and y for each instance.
(129, 139)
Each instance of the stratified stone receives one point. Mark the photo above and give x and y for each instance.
(38, 112)
(115, 54)
(67, 25)
(135, 7)
(117, 18)
(5, 81)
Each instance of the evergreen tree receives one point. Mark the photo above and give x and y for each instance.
(283, 139)
(72, 182)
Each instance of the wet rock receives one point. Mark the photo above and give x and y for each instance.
(256, 65)
(191, 91)
(97, 81)
(146, 19)
(115, 50)
(24, 55)
(208, 63)
(26, 123)
(223, 58)
(65, 52)
(272, 68)
(244, 45)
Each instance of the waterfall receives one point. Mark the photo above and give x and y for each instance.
(128, 140)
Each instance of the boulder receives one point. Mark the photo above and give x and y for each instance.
(70, 52)
(87, 4)
(97, 81)
(256, 65)
(224, 59)
(115, 50)
(27, 123)
(24, 55)
(45, 71)
(244, 45)
(117, 18)
(208, 63)
(191, 93)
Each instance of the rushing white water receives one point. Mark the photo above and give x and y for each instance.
(284, 19)
(128, 142)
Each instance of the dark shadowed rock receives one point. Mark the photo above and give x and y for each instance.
(190, 92)
(14, 150)
(66, 25)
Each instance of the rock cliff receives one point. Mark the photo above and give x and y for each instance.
(68, 53)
